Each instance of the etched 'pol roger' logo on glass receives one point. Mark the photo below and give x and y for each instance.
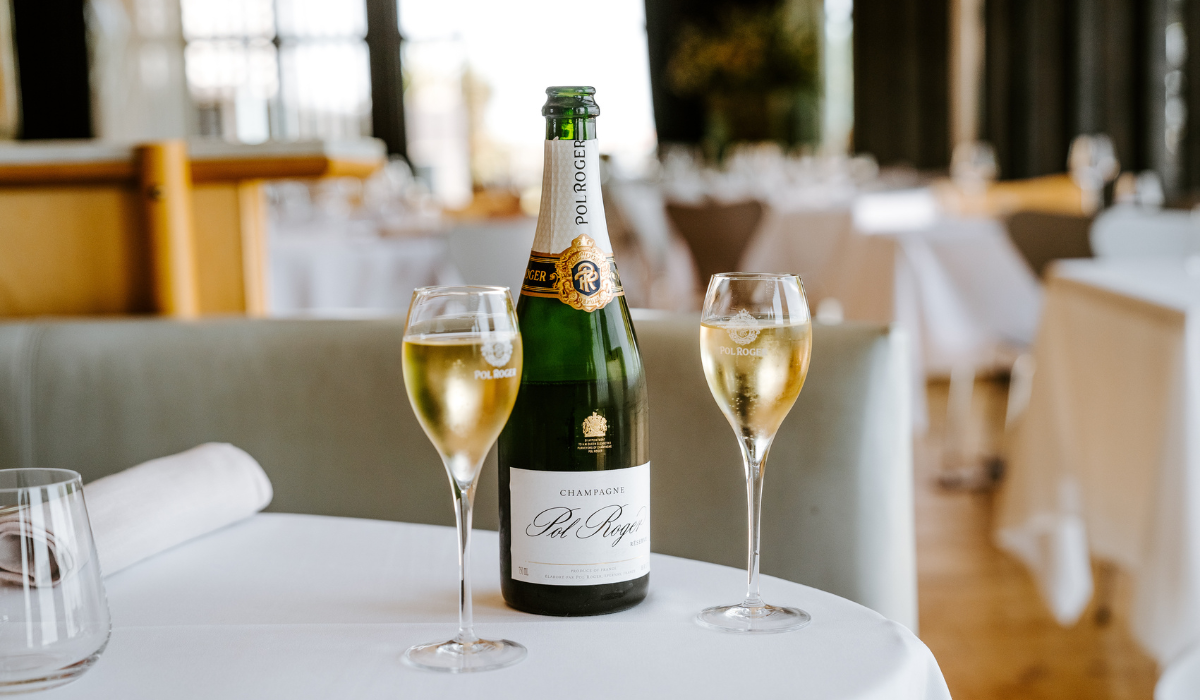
(743, 328)
(497, 353)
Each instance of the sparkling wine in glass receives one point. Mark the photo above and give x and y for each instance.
(755, 341)
(462, 370)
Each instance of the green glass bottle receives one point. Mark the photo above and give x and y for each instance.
(574, 456)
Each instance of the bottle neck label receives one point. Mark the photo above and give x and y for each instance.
(571, 259)
(583, 276)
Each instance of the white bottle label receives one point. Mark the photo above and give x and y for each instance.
(580, 528)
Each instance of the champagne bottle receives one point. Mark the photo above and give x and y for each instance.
(574, 456)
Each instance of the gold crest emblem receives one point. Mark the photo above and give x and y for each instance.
(595, 426)
(742, 328)
(583, 276)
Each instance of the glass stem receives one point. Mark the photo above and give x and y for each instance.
(464, 501)
(754, 455)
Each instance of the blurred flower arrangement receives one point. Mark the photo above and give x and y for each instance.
(757, 72)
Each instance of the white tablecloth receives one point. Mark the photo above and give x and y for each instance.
(332, 274)
(1106, 459)
(958, 287)
(304, 607)
(804, 241)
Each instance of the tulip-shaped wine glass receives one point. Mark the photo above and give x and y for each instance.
(755, 340)
(462, 370)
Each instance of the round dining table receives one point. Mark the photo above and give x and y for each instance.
(304, 607)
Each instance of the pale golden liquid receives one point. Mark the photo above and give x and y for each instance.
(460, 399)
(756, 384)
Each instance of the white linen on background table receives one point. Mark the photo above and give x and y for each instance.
(1106, 459)
(957, 286)
(306, 607)
(333, 273)
(800, 241)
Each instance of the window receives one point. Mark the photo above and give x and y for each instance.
(476, 74)
(281, 69)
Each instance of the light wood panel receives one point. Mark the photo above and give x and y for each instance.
(230, 221)
(124, 170)
(252, 209)
(117, 167)
(1054, 194)
(166, 195)
(79, 249)
(281, 167)
(89, 227)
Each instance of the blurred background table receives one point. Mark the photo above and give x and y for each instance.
(329, 274)
(1106, 460)
(300, 606)
(956, 285)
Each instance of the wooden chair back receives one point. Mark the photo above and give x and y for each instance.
(1043, 237)
(717, 234)
(175, 228)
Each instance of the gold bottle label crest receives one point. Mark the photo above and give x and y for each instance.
(583, 276)
(595, 434)
(595, 426)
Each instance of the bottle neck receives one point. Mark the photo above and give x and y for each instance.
(572, 204)
(570, 128)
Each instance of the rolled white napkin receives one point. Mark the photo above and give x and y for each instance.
(156, 505)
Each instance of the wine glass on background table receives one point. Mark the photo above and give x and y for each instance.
(462, 370)
(755, 341)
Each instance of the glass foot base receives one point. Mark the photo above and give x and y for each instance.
(453, 657)
(15, 681)
(741, 619)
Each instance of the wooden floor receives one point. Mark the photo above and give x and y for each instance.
(980, 613)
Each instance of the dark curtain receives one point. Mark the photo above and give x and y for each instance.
(52, 60)
(1059, 68)
(901, 81)
(387, 88)
(1191, 143)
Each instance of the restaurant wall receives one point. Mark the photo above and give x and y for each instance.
(138, 83)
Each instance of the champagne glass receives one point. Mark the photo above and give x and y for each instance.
(973, 167)
(1093, 163)
(755, 340)
(462, 370)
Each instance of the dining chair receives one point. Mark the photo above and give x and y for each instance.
(321, 405)
(1043, 237)
(170, 227)
(717, 234)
